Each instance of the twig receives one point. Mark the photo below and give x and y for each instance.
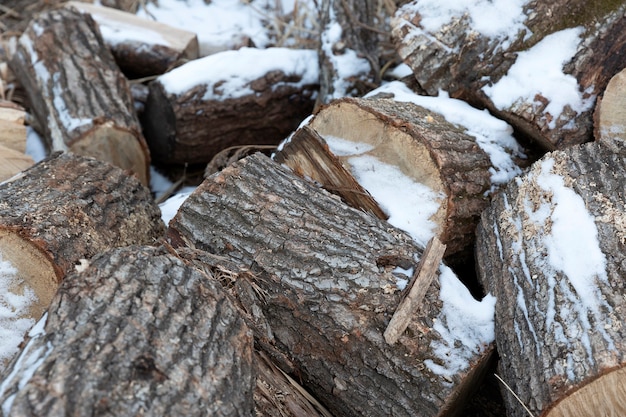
(514, 394)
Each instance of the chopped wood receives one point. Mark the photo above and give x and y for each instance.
(12, 162)
(320, 292)
(77, 92)
(12, 128)
(209, 113)
(416, 289)
(550, 248)
(307, 154)
(610, 116)
(137, 332)
(68, 208)
(141, 47)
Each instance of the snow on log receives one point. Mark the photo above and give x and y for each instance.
(244, 97)
(137, 332)
(65, 209)
(610, 115)
(431, 175)
(77, 93)
(551, 249)
(322, 289)
(491, 54)
(141, 47)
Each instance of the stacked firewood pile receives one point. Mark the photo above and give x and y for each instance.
(276, 289)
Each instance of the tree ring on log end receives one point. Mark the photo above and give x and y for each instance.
(34, 269)
(391, 145)
(602, 397)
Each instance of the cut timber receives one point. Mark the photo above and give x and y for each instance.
(307, 154)
(244, 97)
(483, 64)
(551, 248)
(137, 332)
(610, 116)
(12, 129)
(12, 162)
(322, 289)
(424, 147)
(69, 208)
(77, 93)
(141, 47)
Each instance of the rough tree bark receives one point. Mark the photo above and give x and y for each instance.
(551, 248)
(136, 333)
(68, 208)
(321, 291)
(141, 47)
(192, 124)
(459, 59)
(76, 91)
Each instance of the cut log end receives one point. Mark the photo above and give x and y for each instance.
(602, 397)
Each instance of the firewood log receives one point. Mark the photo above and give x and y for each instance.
(68, 208)
(136, 333)
(141, 47)
(421, 144)
(77, 93)
(610, 115)
(320, 291)
(551, 249)
(12, 128)
(472, 59)
(210, 104)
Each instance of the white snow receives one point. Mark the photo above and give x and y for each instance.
(14, 320)
(116, 31)
(494, 136)
(35, 147)
(229, 74)
(539, 71)
(170, 207)
(464, 324)
(498, 19)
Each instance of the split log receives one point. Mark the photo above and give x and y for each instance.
(68, 208)
(479, 62)
(321, 291)
(610, 115)
(136, 333)
(420, 143)
(12, 162)
(12, 128)
(77, 93)
(244, 97)
(141, 47)
(551, 248)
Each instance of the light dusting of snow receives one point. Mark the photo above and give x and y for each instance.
(539, 72)
(410, 205)
(229, 74)
(115, 31)
(494, 136)
(35, 147)
(497, 19)
(14, 320)
(170, 207)
(464, 324)
(402, 276)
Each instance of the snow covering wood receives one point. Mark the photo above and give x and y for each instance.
(78, 94)
(245, 97)
(551, 249)
(537, 64)
(137, 332)
(324, 290)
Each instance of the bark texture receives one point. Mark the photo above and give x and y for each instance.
(320, 291)
(551, 248)
(68, 208)
(162, 47)
(193, 126)
(136, 333)
(460, 60)
(76, 91)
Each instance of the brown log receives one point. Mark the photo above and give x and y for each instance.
(551, 249)
(141, 47)
(610, 115)
(307, 154)
(459, 59)
(68, 208)
(136, 333)
(192, 125)
(77, 93)
(426, 148)
(320, 292)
